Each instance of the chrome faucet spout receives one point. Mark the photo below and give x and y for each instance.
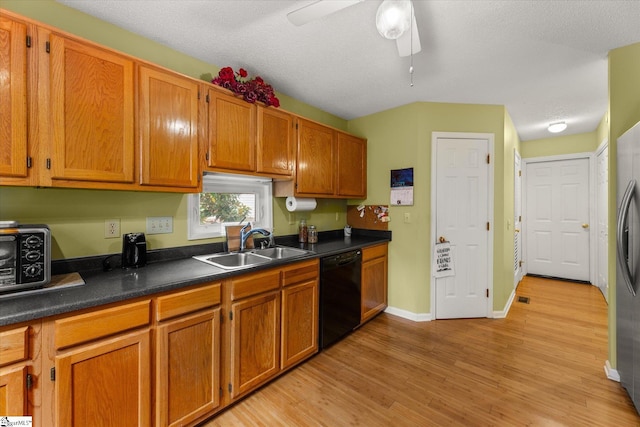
(244, 235)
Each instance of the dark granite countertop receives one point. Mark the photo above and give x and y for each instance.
(168, 269)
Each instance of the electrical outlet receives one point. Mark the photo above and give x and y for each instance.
(159, 225)
(111, 228)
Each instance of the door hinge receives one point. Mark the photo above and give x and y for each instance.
(29, 381)
(52, 374)
(488, 158)
(520, 218)
(520, 173)
(29, 162)
(231, 315)
(488, 227)
(487, 292)
(48, 163)
(520, 263)
(47, 47)
(28, 41)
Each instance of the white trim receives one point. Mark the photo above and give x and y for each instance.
(590, 156)
(604, 145)
(491, 201)
(503, 313)
(416, 317)
(611, 373)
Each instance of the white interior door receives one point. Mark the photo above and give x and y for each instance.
(602, 212)
(517, 220)
(462, 215)
(557, 218)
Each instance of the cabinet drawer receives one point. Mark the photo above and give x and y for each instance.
(14, 345)
(300, 272)
(254, 284)
(101, 323)
(189, 301)
(374, 252)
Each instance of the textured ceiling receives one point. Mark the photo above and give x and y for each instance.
(544, 60)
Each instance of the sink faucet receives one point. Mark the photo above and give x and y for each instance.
(244, 235)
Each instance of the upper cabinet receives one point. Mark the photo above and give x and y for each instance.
(168, 128)
(92, 110)
(275, 149)
(329, 163)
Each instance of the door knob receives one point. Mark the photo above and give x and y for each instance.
(585, 225)
(442, 239)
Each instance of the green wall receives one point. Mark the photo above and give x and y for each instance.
(401, 138)
(554, 146)
(624, 112)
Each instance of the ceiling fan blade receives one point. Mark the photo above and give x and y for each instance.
(405, 42)
(317, 10)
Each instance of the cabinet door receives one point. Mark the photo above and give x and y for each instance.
(299, 322)
(13, 93)
(255, 341)
(374, 281)
(105, 384)
(352, 166)
(13, 392)
(187, 368)
(232, 133)
(92, 108)
(275, 150)
(168, 126)
(315, 165)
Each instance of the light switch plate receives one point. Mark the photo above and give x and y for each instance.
(159, 224)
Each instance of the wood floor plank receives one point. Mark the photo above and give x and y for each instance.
(541, 366)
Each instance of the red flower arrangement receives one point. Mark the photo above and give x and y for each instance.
(252, 90)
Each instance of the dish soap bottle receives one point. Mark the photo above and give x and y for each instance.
(302, 231)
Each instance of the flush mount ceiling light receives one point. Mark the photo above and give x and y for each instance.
(393, 18)
(557, 127)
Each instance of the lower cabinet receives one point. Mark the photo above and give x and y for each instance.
(374, 281)
(16, 369)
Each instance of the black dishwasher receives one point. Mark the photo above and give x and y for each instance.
(339, 296)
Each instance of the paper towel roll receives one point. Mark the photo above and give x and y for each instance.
(300, 205)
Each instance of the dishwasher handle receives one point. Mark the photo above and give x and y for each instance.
(341, 259)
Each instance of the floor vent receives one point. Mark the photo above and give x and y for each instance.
(524, 300)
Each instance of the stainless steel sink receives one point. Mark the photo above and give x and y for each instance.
(280, 252)
(234, 260)
(237, 260)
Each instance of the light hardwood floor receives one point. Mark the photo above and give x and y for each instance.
(541, 366)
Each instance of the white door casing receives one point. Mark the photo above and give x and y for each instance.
(602, 219)
(462, 207)
(517, 219)
(557, 218)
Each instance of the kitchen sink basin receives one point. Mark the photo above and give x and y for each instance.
(280, 252)
(234, 260)
(237, 260)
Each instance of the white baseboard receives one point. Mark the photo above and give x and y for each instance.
(502, 314)
(416, 317)
(611, 373)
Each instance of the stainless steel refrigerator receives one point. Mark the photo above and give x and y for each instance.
(628, 265)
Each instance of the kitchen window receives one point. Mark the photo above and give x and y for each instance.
(229, 200)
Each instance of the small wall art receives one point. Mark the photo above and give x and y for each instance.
(402, 187)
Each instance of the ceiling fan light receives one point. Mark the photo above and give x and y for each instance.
(393, 18)
(557, 127)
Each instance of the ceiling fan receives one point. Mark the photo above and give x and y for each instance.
(395, 20)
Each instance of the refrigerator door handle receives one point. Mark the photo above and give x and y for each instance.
(621, 230)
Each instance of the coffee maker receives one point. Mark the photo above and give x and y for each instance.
(134, 250)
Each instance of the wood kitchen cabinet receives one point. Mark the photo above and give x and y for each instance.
(374, 281)
(352, 166)
(103, 367)
(168, 128)
(92, 113)
(18, 369)
(299, 312)
(254, 316)
(187, 355)
(275, 144)
(232, 133)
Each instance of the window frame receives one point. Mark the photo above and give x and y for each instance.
(225, 183)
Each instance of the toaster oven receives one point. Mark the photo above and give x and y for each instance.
(25, 256)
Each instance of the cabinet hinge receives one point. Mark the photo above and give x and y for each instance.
(52, 374)
(48, 163)
(28, 41)
(29, 162)
(47, 47)
(488, 227)
(221, 317)
(296, 126)
(206, 156)
(230, 387)
(487, 292)
(231, 315)
(207, 98)
(221, 391)
(488, 158)
(198, 94)
(29, 381)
